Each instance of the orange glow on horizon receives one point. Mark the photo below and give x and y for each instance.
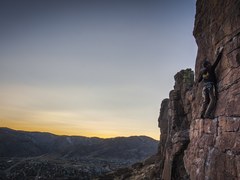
(69, 132)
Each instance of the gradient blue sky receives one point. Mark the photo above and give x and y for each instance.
(91, 67)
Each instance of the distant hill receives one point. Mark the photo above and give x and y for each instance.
(29, 144)
(38, 155)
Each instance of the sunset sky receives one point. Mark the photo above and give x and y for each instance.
(91, 67)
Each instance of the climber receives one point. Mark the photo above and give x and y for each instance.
(207, 74)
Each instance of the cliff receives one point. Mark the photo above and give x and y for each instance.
(214, 148)
(174, 122)
(211, 146)
(191, 147)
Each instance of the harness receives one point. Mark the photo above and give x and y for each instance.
(208, 86)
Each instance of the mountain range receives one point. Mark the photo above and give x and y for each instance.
(28, 144)
(43, 155)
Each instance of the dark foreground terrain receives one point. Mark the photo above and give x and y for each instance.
(44, 167)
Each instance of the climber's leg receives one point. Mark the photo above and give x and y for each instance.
(212, 103)
(205, 95)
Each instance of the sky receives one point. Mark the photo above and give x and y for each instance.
(91, 67)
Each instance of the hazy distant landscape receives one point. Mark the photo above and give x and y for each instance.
(47, 156)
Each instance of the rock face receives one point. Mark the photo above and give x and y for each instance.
(206, 148)
(213, 152)
(174, 121)
(217, 24)
(214, 148)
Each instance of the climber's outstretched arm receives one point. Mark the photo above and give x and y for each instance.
(219, 57)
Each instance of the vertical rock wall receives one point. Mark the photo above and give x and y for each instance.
(174, 121)
(217, 23)
(214, 148)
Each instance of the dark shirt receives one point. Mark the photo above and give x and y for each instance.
(208, 74)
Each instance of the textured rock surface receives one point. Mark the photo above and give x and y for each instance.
(217, 24)
(179, 118)
(164, 125)
(214, 149)
(213, 152)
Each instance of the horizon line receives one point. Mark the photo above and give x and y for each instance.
(56, 134)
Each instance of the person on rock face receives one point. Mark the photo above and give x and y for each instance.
(207, 75)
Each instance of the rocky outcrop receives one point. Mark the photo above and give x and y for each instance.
(174, 127)
(214, 148)
(213, 152)
(217, 24)
(211, 149)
